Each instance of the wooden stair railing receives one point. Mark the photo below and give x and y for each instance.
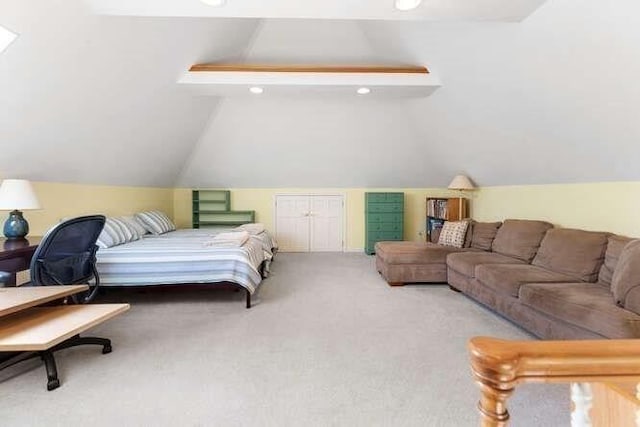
(500, 365)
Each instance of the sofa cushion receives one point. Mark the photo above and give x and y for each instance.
(452, 233)
(626, 277)
(414, 252)
(587, 305)
(520, 238)
(435, 234)
(506, 279)
(483, 235)
(614, 249)
(577, 253)
(465, 263)
(632, 301)
(467, 237)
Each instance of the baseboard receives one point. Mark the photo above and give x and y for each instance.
(354, 250)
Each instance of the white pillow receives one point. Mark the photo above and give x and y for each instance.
(134, 225)
(453, 233)
(114, 233)
(156, 222)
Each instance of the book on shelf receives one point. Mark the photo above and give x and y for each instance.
(437, 208)
(433, 223)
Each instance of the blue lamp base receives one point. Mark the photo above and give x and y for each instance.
(16, 227)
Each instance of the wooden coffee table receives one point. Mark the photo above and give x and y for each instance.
(28, 331)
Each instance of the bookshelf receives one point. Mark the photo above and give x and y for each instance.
(441, 209)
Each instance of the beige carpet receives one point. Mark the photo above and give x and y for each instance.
(327, 343)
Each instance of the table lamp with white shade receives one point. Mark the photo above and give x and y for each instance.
(461, 183)
(17, 195)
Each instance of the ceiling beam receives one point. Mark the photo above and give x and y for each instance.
(297, 68)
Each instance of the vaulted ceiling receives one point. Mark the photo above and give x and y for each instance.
(536, 92)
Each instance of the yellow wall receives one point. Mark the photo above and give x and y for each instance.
(261, 200)
(67, 200)
(598, 206)
(611, 206)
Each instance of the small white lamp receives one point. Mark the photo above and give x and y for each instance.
(461, 183)
(16, 195)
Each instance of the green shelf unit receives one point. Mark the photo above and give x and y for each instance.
(229, 217)
(213, 207)
(384, 218)
(211, 200)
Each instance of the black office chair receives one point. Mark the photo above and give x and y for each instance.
(67, 256)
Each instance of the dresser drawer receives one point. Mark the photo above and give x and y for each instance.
(384, 207)
(377, 236)
(384, 197)
(395, 197)
(385, 217)
(384, 226)
(375, 197)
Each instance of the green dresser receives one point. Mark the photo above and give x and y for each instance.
(384, 218)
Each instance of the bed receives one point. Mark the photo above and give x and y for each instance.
(187, 257)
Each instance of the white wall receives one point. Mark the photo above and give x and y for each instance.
(93, 99)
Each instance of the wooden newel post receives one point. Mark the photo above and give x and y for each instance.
(495, 375)
(493, 406)
(499, 365)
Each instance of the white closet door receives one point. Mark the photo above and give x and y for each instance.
(326, 223)
(292, 223)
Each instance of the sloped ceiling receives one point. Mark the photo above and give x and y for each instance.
(429, 10)
(93, 98)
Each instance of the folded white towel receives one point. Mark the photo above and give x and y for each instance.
(232, 238)
(254, 228)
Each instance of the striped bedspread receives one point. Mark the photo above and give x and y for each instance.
(184, 256)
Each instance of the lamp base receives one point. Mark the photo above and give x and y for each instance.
(16, 227)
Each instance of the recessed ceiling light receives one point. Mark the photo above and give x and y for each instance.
(213, 2)
(255, 89)
(407, 4)
(6, 37)
(363, 90)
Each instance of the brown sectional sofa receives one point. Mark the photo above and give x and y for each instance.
(557, 283)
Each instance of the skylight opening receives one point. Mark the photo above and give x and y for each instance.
(6, 37)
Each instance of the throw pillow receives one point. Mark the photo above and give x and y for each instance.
(483, 234)
(156, 222)
(452, 233)
(112, 235)
(626, 277)
(134, 225)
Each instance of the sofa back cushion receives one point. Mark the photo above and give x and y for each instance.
(625, 284)
(483, 233)
(576, 253)
(467, 237)
(520, 238)
(614, 248)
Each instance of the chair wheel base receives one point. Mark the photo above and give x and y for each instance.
(107, 349)
(53, 384)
